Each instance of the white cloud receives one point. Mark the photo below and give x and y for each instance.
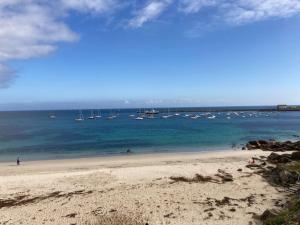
(151, 11)
(98, 6)
(245, 11)
(32, 28)
(193, 6)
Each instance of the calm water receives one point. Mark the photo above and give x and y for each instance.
(33, 135)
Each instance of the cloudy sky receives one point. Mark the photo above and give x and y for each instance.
(116, 53)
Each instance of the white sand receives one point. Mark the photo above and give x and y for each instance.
(134, 185)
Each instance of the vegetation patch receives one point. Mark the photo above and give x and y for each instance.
(290, 216)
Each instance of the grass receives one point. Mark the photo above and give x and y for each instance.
(287, 217)
(293, 167)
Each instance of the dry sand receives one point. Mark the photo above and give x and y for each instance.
(76, 191)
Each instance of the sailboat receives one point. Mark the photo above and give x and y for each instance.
(111, 116)
(80, 117)
(91, 117)
(211, 117)
(195, 117)
(139, 117)
(52, 116)
(176, 113)
(168, 115)
(98, 115)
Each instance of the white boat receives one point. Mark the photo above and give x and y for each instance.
(80, 117)
(52, 116)
(98, 115)
(111, 116)
(168, 115)
(91, 117)
(211, 117)
(139, 118)
(195, 117)
(228, 117)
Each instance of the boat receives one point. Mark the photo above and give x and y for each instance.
(140, 116)
(168, 115)
(152, 111)
(52, 116)
(91, 117)
(111, 116)
(80, 117)
(98, 115)
(195, 117)
(211, 117)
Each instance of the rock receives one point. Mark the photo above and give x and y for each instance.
(239, 170)
(268, 214)
(284, 177)
(295, 156)
(226, 177)
(273, 145)
(276, 158)
(253, 166)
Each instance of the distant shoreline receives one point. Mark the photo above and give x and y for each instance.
(270, 108)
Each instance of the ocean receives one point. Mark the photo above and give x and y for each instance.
(32, 135)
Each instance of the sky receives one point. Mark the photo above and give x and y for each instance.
(63, 54)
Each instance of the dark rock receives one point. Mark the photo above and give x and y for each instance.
(239, 170)
(226, 177)
(276, 158)
(268, 214)
(273, 145)
(281, 176)
(295, 156)
(253, 166)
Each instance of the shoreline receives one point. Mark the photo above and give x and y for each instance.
(169, 150)
(131, 157)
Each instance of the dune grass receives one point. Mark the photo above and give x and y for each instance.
(290, 216)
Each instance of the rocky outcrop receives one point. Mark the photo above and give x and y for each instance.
(274, 146)
(268, 214)
(276, 158)
(281, 176)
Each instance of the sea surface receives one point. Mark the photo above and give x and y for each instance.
(33, 135)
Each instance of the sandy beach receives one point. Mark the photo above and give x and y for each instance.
(79, 191)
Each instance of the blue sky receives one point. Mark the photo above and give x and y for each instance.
(107, 53)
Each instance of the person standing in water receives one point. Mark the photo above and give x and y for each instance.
(18, 161)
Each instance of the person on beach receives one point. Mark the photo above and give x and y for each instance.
(18, 161)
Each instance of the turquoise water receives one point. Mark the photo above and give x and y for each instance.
(33, 135)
